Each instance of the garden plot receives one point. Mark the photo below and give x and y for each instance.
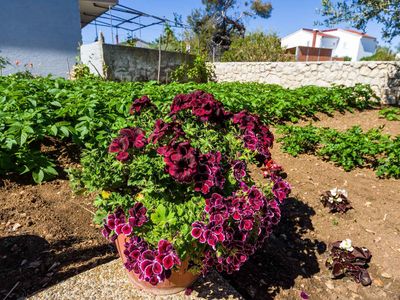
(59, 225)
(57, 126)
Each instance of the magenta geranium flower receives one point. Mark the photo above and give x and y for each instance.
(137, 215)
(246, 120)
(281, 189)
(209, 173)
(163, 129)
(181, 102)
(167, 256)
(239, 169)
(139, 104)
(136, 137)
(181, 161)
(128, 138)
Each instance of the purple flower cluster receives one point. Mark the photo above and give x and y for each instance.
(128, 138)
(181, 161)
(117, 223)
(239, 169)
(209, 172)
(203, 105)
(185, 165)
(234, 224)
(281, 189)
(139, 104)
(149, 265)
(237, 226)
(255, 135)
(163, 129)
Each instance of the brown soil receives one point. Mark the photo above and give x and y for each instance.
(366, 119)
(46, 232)
(46, 235)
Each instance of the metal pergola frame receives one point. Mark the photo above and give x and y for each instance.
(124, 18)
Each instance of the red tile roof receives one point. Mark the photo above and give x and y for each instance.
(320, 33)
(352, 31)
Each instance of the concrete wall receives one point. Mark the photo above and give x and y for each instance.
(124, 63)
(44, 33)
(384, 77)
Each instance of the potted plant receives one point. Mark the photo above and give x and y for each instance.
(185, 201)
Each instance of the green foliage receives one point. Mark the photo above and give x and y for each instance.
(199, 71)
(88, 111)
(350, 149)
(3, 63)
(390, 113)
(81, 71)
(257, 46)
(168, 41)
(381, 54)
(358, 13)
(219, 21)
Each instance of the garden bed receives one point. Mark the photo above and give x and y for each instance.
(57, 238)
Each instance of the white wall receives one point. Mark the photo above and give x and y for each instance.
(298, 38)
(44, 33)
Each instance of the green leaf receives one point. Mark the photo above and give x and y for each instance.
(64, 130)
(38, 176)
(23, 137)
(54, 130)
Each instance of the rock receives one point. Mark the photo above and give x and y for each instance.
(386, 275)
(377, 282)
(329, 285)
(16, 226)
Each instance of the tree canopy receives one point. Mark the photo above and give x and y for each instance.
(359, 12)
(220, 20)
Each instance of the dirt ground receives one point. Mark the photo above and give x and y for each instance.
(46, 233)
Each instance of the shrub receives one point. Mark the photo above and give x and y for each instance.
(199, 72)
(381, 54)
(257, 46)
(178, 185)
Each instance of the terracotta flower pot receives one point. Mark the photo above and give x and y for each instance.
(178, 281)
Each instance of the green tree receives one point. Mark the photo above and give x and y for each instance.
(257, 46)
(221, 20)
(381, 54)
(358, 13)
(169, 41)
(3, 63)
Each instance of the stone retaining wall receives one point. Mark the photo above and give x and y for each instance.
(384, 77)
(124, 63)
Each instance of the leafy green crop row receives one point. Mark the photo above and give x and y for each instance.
(390, 113)
(87, 111)
(350, 149)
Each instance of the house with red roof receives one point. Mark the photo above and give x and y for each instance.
(342, 42)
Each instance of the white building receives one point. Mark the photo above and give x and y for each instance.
(343, 42)
(43, 36)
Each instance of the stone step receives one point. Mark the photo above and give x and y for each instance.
(110, 281)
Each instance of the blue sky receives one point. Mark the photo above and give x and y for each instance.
(287, 17)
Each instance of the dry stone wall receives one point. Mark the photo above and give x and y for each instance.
(124, 63)
(384, 77)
